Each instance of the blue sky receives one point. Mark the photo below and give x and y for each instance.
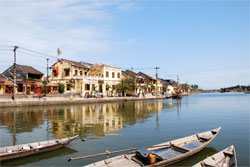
(204, 42)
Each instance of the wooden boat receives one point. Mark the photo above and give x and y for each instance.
(177, 96)
(162, 154)
(225, 158)
(23, 150)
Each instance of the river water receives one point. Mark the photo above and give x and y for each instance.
(122, 125)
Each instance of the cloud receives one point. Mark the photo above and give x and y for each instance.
(128, 6)
(78, 27)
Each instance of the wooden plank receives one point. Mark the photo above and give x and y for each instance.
(180, 149)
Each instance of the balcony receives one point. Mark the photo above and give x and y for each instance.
(87, 78)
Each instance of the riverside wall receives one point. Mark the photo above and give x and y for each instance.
(64, 101)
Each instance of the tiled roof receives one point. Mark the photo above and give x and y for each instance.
(105, 65)
(128, 72)
(29, 69)
(145, 75)
(79, 64)
(3, 78)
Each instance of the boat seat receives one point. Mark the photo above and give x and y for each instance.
(3, 150)
(205, 138)
(168, 154)
(192, 145)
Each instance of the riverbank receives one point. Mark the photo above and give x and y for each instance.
(70, 100)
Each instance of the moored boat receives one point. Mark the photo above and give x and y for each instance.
(162, 154)
(18, 151)
(177, 95)
(224, 158)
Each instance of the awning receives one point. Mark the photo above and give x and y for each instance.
(39, 84)
(8, 83)
(52, 85)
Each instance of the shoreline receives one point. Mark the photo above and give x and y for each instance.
(57, 101)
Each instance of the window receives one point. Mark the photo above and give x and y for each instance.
(107, 74)
(54, 73)
(85, 73)
(66, 72)
(87, 87)
(118, 75)
(113, 74)
(80, 72)
(68, 87)
(75, 72)
(93, 86)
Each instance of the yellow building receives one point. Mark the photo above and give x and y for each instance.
(85, 78)
(66, 72)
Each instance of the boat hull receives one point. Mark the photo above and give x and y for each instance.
(20, 152)
(176, 146)
(224, 158)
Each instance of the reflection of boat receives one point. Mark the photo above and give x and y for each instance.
(39, 157)
(163, 154)
(18, 151)
(225, 158)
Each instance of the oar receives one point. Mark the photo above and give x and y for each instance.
(113, 152)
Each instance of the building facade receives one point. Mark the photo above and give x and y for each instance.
(85, 78)
(28, 79)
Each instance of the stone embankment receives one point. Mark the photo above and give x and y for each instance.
(66, 100)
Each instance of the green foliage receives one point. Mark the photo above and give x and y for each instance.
(60, 87)
(126, 85)
(44, 83)
(71, 83)
(27, 90)
(195, 87)
(152, 86)
(32, 79)
(108, 87)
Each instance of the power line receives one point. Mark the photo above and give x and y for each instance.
(5, 49)
(32, 54)
(166, 73)
(38, 52)
(6, 46)
(137, 69)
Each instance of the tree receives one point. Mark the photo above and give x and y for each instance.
(195, 87)
(152, 87)
(60, 87)
(126, 86)
(46, 88)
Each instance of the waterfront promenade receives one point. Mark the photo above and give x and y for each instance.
(7, 102)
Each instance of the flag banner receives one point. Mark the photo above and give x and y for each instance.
(59, 51)
(57, 70)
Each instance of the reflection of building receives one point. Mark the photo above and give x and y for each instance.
(18, 121)
(100, 118)
(84, 120)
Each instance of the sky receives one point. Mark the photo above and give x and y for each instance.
(204, 42)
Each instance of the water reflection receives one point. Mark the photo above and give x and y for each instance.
(84, 120)
(190, 161)
(38, 157)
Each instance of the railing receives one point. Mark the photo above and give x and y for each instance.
(86, 77)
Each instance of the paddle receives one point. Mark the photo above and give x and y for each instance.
(113, 152)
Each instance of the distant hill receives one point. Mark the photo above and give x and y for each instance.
(238, 88)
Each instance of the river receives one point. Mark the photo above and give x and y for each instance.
(121, 125)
